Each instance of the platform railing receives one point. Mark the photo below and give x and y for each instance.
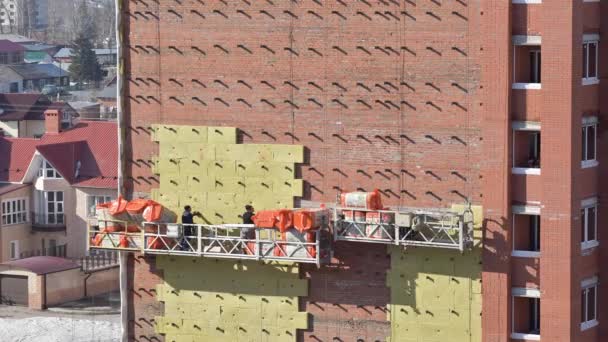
(229, 241)
(437, 229)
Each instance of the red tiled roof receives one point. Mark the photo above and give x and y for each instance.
(16, 107)
(92, 143)
(42, 264)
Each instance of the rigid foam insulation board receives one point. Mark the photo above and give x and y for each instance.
(225, 300)
(221, 300)
(436, 293)
(204, 167)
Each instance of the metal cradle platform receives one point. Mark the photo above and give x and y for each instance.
(215, 241)
(414, 227)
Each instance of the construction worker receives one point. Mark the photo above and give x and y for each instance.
(248, 233)
(187, 221)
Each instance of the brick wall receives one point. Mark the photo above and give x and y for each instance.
(382, 94)
(143, 305)
(348, 300)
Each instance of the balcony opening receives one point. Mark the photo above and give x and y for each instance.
(526, 152)
(589, 224)
(589, 142)
(526, 318)
(526, 235)
(589, 303)
(590, 59)
(527, 63)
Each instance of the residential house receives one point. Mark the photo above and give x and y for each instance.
(50, 187)
(14, 222)
(104, 56)
(107, 99)
(39, 53)
(31, 77)
(86, 110)
(11, 53)
(15, 38)
(22, 115)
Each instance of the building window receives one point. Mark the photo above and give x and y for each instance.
(50, 208)
(54, 207)
(589, 304)
(527, 62)
(526, 151)
(589, 226)
(526, 314)
(14, 250)
(590, 62)
(526, 235)
(535, 62)
(589, 144)
(47, 171)
(93, 201)
(14, 211)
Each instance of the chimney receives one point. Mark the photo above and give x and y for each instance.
(52, 121)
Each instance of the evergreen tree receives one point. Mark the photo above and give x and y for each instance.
(85, 67)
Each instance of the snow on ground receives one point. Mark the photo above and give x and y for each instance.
(58, 329)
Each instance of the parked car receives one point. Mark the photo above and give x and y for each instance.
(52, 90)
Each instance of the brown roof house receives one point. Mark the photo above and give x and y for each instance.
(22, 115)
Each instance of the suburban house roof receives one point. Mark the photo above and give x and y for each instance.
(68, 52)
(38, 47)
(108, 92)
(8, 46)
(38, 71)
(93, 144)
(40, 265)
(15, 38)
(17, 107)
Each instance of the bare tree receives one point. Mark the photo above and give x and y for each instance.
(107, 25)
(25, 17)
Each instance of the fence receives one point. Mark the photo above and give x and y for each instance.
(98, 260)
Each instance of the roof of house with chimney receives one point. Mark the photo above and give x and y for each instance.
(85, 155)
(19, 107)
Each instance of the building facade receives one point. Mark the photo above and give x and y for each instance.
(51, 185)
(434, 103)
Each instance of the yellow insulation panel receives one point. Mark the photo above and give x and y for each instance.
(223, 307)
(208, 299)
(436, 293)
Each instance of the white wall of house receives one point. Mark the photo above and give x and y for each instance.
(10, 128)
(69, 211)
(5, 87)
(17, 233)
(84, 204)
(8, 76)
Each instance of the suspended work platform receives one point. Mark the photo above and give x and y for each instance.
(405, 227)
(229, 241)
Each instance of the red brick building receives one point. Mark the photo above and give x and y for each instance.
(432, 102)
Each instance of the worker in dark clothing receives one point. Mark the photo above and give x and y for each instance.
(189, 231)
(248, 233)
